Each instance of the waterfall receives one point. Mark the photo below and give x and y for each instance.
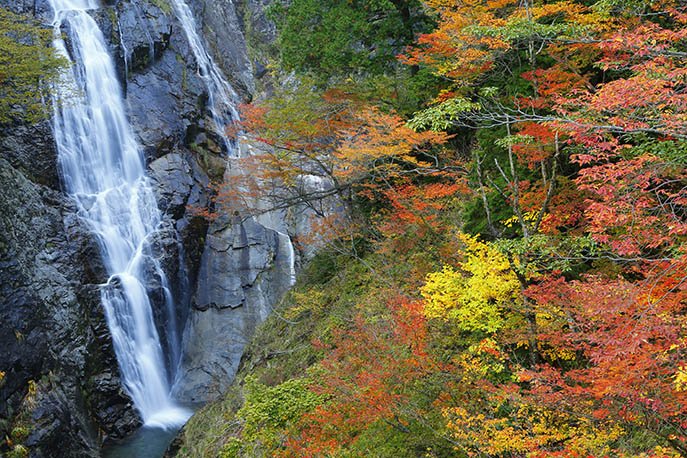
(222, 99)
(103, 170)
(221, 95)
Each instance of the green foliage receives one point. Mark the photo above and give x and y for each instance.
(298, 106)
(382, 440)
(28, 64)
(443, 116)
(18, 427)
(266, 414)
(210, 429)
(163, 5)
(18, 451)
(352, 46)
(474, 216)
(522, 29)
(19, 433)
(541, 253)
(267, 411)
(400, 89)
(631, 8)
(323, 267)
(340, 37)
(671, 151)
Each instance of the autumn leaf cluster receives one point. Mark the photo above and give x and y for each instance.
(514, 282)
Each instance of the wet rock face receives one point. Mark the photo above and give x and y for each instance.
(244, 270)
(144, 30)
(238, 269)
(61, 379)
(52, 330)
(224, 32)
(162, 89)
(61, 376)
(38, 8)
(174, 183)
(242, 249)
(180, 185)
(167, 97)
(31, 150)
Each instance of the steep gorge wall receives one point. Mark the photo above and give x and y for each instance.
(61, 381)
(53, 330)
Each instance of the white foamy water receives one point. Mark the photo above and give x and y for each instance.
(102, 168)
(221, 95)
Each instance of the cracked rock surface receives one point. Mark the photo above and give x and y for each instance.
(243, 271)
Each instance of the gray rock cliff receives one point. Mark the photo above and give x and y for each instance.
(60, 376)
(60, 394)
(244, 270)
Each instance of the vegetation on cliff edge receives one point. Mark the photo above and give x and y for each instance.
(505, 274)
(28, 64)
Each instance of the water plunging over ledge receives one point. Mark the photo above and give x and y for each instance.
(103, 170)
(223, 100)
(221, 95)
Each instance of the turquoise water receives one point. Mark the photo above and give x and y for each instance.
(147, 442)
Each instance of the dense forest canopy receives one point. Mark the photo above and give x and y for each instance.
(508, 278)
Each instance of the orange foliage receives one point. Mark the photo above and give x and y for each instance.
(632, 337)
(317, 152)
(636, 204)
(366, 377)
(381, 144)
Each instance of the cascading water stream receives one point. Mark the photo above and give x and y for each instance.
(221, 95)
(222, 99)
(103, 169)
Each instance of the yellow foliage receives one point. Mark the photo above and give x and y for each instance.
(490, 435)
(310, 301)
(482, 360)
(528, 217)
(527, 429)
(476, 296)
(558, 354)
(33, 388)
(681, 379)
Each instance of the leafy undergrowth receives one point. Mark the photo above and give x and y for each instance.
(521, 290)
(272, 389)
